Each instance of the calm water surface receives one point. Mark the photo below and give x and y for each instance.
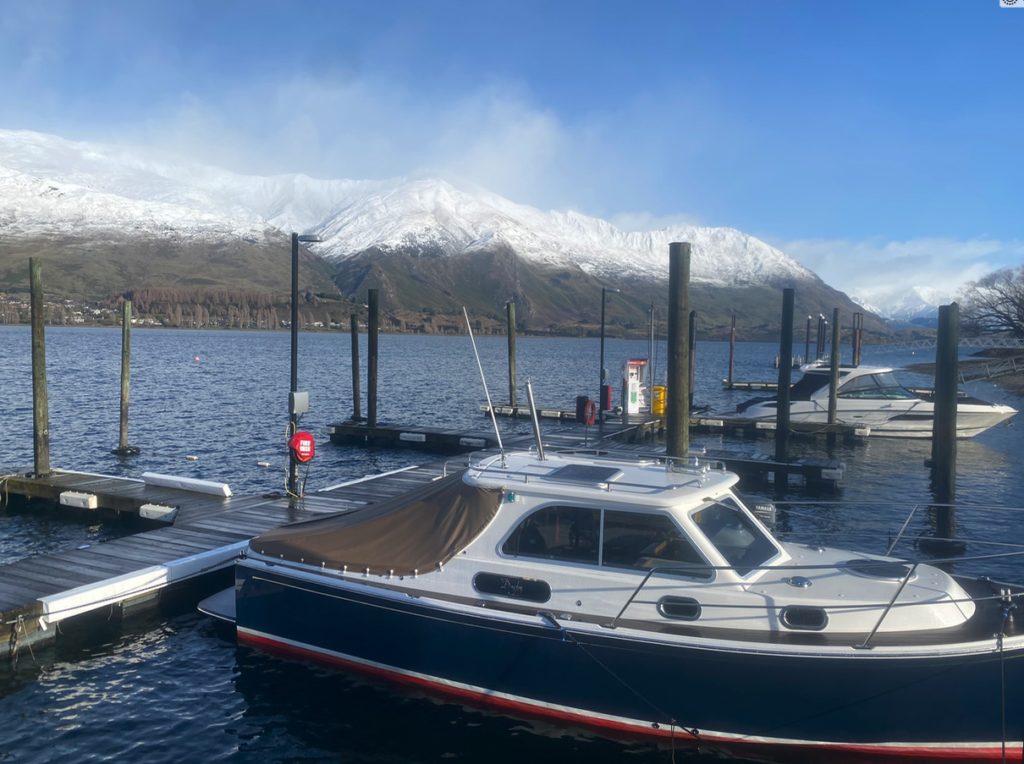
(174, 688)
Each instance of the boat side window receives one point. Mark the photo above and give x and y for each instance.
(647, 540)
(808, 385)
(735, 535)
(557, 533)
(883, 386)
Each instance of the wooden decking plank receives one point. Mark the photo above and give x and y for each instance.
(39, 587)
(45, 566)
(32, 572)
(114, 566)
(20, 592)
(224, 539)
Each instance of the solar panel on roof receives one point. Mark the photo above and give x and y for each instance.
(585, 473)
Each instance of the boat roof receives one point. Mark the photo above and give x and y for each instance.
(821, 367)
(603, 476)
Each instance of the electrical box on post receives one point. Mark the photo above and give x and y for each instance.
(298, 403)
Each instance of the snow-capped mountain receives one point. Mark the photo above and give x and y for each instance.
(905, 304)
(52, 187)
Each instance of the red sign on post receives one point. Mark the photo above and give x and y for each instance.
(303, 446)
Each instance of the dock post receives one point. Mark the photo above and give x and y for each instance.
(732, 349)
(677, 439)
(373, 321)
(833, 382)
(944, 424)
(357, 405)
(40, 402)
(807, 342)
(785, 382)
(123, 449)
(693, 351)
(858, 336)
(510, 315)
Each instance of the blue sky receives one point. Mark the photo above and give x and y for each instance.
(879, 143)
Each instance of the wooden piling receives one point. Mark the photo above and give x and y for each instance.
(40, 402)
(833, 382)
(858, 337)
(510, 315)
(373, 320)
(944, 425)
(785, 381)
(677, 410)
(807, 342)
(123, 449)
(357, 406)
(693, 351)
(732, 349)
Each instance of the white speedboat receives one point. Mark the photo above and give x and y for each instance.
(872, 397)
(642, 597)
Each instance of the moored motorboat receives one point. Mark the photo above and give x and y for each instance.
(871, 397)
(643, 597)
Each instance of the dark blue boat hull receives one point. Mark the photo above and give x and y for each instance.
(936, 707)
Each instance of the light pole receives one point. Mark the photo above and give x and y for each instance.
(293, 465)
(601, 406)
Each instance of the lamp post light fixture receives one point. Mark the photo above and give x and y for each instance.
(293, 465)
(604, 372)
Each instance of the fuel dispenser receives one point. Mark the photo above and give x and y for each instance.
(634, 390)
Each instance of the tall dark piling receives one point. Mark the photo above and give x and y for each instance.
(692, 343)
(819, 345)
(357, 405)
(785, 381)
(677, 429)
(858, 336)
(807, 342)
(373, 325)
(833, 382)
(40, 402)
(510, 315)
(732, 349)
(944, 426)
(123, 449)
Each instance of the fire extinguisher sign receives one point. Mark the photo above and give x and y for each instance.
(303, 446)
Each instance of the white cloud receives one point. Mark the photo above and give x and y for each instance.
(874, 265)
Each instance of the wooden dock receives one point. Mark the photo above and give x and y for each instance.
(203, 536)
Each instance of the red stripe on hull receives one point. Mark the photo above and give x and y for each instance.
(792, 753)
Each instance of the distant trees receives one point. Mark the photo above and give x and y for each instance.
(994, 304)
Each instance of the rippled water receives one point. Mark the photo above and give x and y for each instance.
(173, 687)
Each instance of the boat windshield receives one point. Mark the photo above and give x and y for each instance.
(734, 534)
(881, 386)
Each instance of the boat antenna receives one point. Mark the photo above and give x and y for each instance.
(533, 416)
(483, 379)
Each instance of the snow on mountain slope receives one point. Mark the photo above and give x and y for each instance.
(50, 185)
(903, 304)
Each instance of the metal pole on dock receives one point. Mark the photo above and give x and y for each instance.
(293, 418)
(40, 402)
(944, 425)
(510, 315)
(373, 322)
(357, 406)
(785, 381)
(732, 348)
(693, 352)
(602, 407)
(858, 336)
(123, 449)
(677, 439)
(650, 354)
(833, 382)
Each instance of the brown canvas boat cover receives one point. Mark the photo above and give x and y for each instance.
(412, 532)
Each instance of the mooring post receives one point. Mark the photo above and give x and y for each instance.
(807, 342)
(40, 402)
(123, 449)
(373, 320)
(833, 382)
(693, 351)
(357, 406)
(944, 425)
(785, 381)
(732, 349)
(677, 430)
(858, 336)
(510, 315)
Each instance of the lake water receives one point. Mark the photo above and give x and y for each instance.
(173, 687)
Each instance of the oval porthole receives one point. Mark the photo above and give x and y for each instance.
(804, 618)
(514, 587)
(679, 608)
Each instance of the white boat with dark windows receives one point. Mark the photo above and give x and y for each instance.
(871, 397)
(643, 597)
